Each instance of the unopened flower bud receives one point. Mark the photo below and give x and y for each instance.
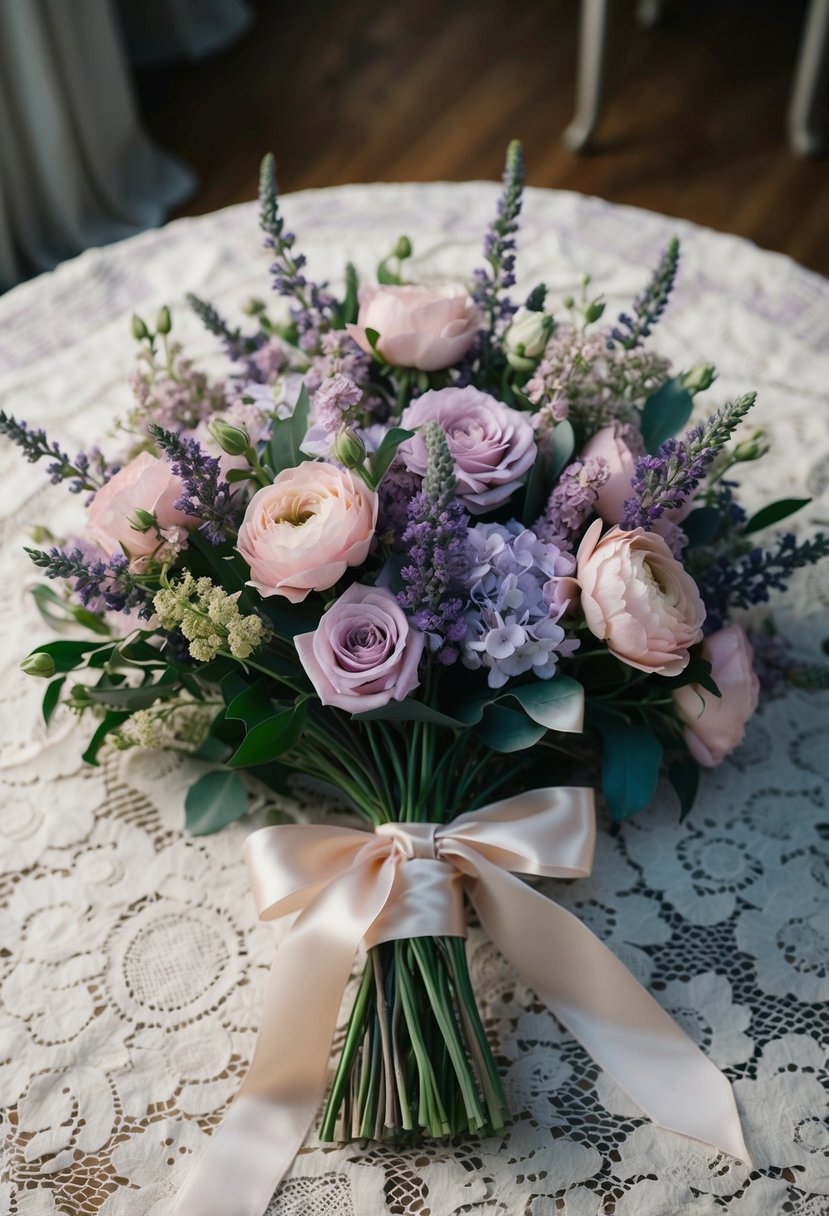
(594, 311)
(403, 248)
(139, 329)
(348, 448)
(163, 322)
(752, 448)
(568, 302)
(79, 697)
(39, 664)
(699, 379)
(527, 337)
(231, 439)
(253, 306)
(142, 521)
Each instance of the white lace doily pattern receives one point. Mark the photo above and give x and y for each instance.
(131, 966)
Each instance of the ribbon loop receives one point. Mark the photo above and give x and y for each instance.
(408, 880)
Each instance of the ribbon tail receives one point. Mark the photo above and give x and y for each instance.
(253, 1149)
(595, 996)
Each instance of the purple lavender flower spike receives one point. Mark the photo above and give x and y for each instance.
(205, 494)
(648, 307)
(100, 583)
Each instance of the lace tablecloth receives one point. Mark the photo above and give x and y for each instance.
(132, 966)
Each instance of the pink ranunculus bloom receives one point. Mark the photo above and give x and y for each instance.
(364, 652)
(429, 328)
(300, 533)
(493, 446)
(638, 599)
(147, 484)
(617, 446)
(714, 726)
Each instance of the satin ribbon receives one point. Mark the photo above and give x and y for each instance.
(409, 880)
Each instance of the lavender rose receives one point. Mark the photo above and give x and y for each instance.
(424, 327)
(714, 726)
(492, 445)
(364, 652)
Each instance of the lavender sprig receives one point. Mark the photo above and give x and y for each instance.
(648, 307)
(237, 344)
(499, 246)
(439, 555)
(668, 479)
(206, 495)
(315, 305)
(742, 582)
(36, 446)
(108, 581)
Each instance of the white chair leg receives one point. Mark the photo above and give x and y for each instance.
(590, 80)
(807, 133)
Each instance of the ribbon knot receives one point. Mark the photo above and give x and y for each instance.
(409, 880)
(413, 839)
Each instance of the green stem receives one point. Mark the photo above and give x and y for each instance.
(354, 1034)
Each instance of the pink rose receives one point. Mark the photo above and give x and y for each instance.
(147, 484)
(364, 652)
(638, 599)
(300, 533)
(492, 445)
(424, 327)
(715, 725)
(616, 446)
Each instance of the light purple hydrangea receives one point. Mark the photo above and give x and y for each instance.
(518, 594)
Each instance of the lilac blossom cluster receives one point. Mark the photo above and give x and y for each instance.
(515, 604)
(339, 356)
(205, 494)
(435, 542)
(571, 501)
(334, 403)
(665, 481)
(580, 378)
(175, 396)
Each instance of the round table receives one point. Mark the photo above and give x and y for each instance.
(131, 962)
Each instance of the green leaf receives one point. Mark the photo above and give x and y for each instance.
(373, 337)
(557, 704)
(508, 730)
(252, 705)
(283, 450)
(234, 475)
(698, 671)
(111, 721)
(546, 469)
(386, 452)
(214, 801)
(409, 711)
(51, 697)
(665, 413)
(562, 446)
(773, 513)
(387, 277)
(46, 598)
(631, 758)
(683, 774)
(271, 737)
(132, 697)
(351, 304)
(69, 655)
(701, 526)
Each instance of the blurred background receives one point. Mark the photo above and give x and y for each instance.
(712, 110)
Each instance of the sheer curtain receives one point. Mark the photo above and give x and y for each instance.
(76, 167)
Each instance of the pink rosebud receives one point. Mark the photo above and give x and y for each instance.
(364, 652)
(145, 484)
(300, 533)
(424, 327)
(714, 726)
(493, 446)
(638, 599)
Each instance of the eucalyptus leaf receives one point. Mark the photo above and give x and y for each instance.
(665, 413)
(508, 730)
(773, 513)
(557, 704)
(631, 759)
(214, 801)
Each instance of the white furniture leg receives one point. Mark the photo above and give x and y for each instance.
(590, 79)
(807, 134)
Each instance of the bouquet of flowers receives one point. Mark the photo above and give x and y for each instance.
(422, 547)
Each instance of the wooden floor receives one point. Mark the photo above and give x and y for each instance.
(394, 90)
